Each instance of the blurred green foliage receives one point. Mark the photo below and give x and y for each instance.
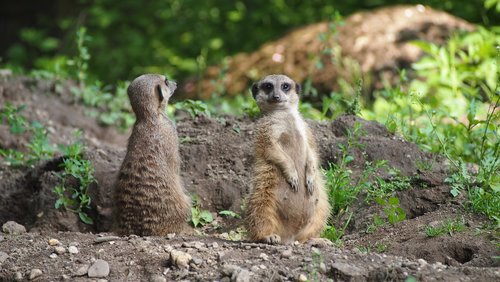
(181, 38)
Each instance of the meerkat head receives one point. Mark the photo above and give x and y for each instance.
(149, 94)
(276, 92)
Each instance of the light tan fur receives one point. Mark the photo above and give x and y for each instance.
(288, 201)
(149, 194)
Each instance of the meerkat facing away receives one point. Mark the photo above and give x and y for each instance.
(149, 194)
(288, 201)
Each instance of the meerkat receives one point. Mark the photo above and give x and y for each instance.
(288, 201)
(149, 194)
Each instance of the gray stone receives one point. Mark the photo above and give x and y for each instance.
(286, 253)
(82, 270)
(302, 278)
(229, 269)
(35, 272)
(197, 261)
(157, 278)
(346, 271)
(60, 250)
(3, 257)
(73, 250)
(18, 276)
(241, 275)
(14, 228)
(99, 269)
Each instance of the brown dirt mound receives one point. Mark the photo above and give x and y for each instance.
(217, 160)
(377, 40)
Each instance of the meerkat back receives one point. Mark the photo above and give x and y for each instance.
(149, 194)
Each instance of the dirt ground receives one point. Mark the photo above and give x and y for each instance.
(217, 161)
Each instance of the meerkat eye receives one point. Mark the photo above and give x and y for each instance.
(267, 86)
(285, 86)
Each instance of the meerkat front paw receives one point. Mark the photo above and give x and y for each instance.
(310, 183)
(272, 239)
(293, 180)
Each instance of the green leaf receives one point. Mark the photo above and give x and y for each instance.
(85, 218)
(206, 216)
(393, 201)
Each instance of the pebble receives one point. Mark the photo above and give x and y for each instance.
(263, 256)
(99, 269)
(14, 228)
(3, 256)
(35, 272)
(228, 269)
(254, 268)
(302, 278)
(199, 245)
(170, 236)
(241, 275)
(215, 245)
(54, 242)
(53, 256)
(180, 259)
(73, 250)
(18, 276)
(1, 238)
(65, 277)
(197, 261)
(82, 270)
(286, 253)
(322, 268)
(422, 262)
(157, 278)
(60, 250)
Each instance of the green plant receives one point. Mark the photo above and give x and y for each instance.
(392, 209)
(229, 213)
(335, 235)
(199, 217)
(449, 226)
(80, 62)
(76, 177)
(38, 147)
(193, 107)
(382, 188)
(377, 222)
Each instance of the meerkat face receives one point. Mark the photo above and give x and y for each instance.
(149, 94)
(275, 92)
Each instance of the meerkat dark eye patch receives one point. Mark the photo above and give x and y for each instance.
(255, 90)
(266, 86)
(285, 86)
(161, 93)
(298, 88)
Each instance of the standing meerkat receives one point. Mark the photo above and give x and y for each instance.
(288, 201)
(149, 194)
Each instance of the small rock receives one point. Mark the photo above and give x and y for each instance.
(35, 272)
(241, 275)
(307, 259)
(157, 278)
(302, 278)
(102, 280)
(263, 256)
(170, 236)
(54, 242)
(180, 259)
(53, 256)
(197, 261)
(3, 257)
(422, 262)
(225, 279)
(254, 268)
(215, 245)
(73, 250)
(286, 253)
(262, 266)
(18, 276)
(99, 269)
(322, 268)
(220, 256)
(1, 238)
(65, 277)
(347, 270)
(199, 245)
(229, 269)
(60, 250)
(14, 228)
(82, 270)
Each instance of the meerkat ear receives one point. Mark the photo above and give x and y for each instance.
(298, 88)
(161, 93)
(255, 90)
